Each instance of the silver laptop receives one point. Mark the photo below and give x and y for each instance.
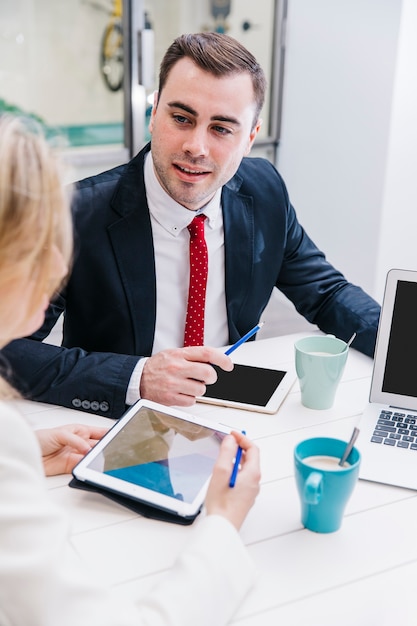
(388, 428)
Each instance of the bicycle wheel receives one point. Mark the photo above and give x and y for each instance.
(111, 56)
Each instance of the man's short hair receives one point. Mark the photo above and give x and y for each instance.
(218, 54)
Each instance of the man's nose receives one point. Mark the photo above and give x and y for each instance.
(196, 142)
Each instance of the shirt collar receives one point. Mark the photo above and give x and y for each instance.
(171, 215)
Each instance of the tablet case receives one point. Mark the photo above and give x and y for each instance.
(146, 510)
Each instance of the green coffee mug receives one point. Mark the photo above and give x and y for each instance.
(319, 363)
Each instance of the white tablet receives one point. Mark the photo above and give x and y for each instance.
(156, 455)
(253, 388)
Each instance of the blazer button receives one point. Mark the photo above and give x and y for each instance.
(76, 403)
(104, 406)
(95, 405)
(86, 404)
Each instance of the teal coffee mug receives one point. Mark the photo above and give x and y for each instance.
(323, 485)
(319, 362)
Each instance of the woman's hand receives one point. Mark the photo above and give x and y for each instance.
(64, 446)
(234, 503)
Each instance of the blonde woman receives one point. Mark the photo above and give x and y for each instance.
(39, 584)
(35, 251)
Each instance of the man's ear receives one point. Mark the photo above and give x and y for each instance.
(154, 106)
(252, 136)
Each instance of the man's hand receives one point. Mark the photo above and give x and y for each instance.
(234, 503)
(177, 377)
(64, 446)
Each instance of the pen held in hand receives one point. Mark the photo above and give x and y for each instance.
(244, 338)
(236, 465)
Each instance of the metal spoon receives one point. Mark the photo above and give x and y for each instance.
(349, 342)
(349, 446)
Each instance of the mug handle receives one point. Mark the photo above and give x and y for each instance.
(313, 488)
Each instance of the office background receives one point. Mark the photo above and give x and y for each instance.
(347, 128)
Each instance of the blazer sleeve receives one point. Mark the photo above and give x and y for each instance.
(322, 294)
(277, 252)
(95, 382)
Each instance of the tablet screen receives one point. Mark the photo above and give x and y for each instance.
(246, 384)
(156, 451)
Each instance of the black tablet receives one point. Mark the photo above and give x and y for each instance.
(252, 388)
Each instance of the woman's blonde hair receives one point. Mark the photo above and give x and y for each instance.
(34, 207)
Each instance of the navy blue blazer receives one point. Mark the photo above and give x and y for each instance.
(110, 299)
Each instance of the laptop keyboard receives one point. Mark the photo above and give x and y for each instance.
(396, 429)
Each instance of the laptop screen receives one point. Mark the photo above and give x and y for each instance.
(394, 380)
(400, 374)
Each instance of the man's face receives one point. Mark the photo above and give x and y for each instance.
(201, 129)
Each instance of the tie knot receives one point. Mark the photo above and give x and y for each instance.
(196, 227)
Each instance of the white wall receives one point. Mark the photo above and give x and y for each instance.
(338, 100)
(397, 241)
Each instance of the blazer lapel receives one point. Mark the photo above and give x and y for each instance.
(131, 239)
(239, 250)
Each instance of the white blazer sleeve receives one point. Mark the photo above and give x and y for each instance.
(42, 582)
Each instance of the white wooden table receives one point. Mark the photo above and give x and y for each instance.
(362, 575)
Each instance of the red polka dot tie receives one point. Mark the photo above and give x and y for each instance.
(194, 323)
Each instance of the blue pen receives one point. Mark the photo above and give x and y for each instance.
(244, 338)
(236, 465)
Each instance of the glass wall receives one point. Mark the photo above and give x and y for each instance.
(51, 69)
(50, 55)
(64, 62)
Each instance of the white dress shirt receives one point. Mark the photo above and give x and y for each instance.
(171, 245)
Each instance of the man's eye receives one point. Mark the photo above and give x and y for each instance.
(180, 119)
(221, 130)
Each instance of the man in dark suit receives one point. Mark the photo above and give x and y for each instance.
(125, 302)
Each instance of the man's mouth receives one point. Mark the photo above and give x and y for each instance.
(193, 172)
